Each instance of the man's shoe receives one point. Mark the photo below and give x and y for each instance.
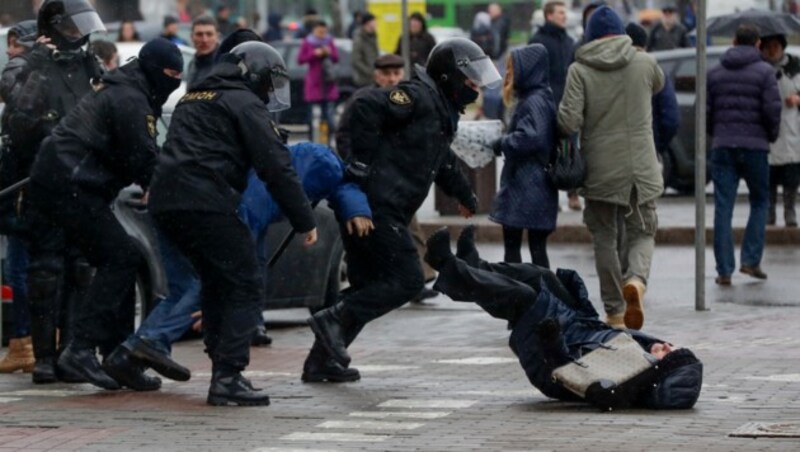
(84, 362)
(260, 338)
(633, 293)
(616, 321)
(438, 249)
(44, 371)
(67, 376)
(425, 294)
(329, 371)
(19, 356)
(755, 272)
(723, 280)
(234, 389)
(129, 371)
(159, 361)
(328, 329)
(465, 247)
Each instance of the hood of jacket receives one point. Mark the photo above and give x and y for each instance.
(531, 68)
(224, 75)
(320, 170)
(132, 75)
(678, 382)
(607, 54)
(740, 56)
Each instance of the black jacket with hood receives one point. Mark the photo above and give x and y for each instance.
(218, 133)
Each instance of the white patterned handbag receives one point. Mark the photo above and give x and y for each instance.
(473, 141)
(611, 364)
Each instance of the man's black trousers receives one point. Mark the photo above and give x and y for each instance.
(222, 250)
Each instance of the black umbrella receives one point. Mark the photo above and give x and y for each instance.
(768, 23)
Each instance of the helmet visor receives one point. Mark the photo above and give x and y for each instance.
(482, 71)
(280, 97)
(76, 27)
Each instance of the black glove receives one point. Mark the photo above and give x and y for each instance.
(472, 204)
(497, 147)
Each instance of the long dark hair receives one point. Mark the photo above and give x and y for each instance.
(122, 27)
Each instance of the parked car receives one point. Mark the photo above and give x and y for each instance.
(681, 66)
(298, 113)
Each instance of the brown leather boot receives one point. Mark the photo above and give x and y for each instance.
(19, 356)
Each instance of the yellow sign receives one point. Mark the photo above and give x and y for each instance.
(389, 20)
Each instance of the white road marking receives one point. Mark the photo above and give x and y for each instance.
(335, 437)
(9, 399)
(478, 361)
(384, 368)
(402, 414)
(371, 425)
(783, 378)
(513, 393)
(250, 374)
(49, 392)
(430, 403)
(286, 449)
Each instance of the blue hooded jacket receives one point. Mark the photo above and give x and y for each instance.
(322, 174)
(527, 198)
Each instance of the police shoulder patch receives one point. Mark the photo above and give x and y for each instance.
(151, 125)
(399, 97)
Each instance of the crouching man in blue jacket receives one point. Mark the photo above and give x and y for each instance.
(553, 323)
(322, 174)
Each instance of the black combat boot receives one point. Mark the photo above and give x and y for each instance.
(233, 389)
(465, 247)
(789, 214)
(260, 337)
(438, 249)
(43, 297)
(83, 361)
(319, 367)
(329, 326)
(122, 366)
(161, 362)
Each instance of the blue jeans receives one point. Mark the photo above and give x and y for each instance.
(728, 166)
(16, 272)
(172, 316)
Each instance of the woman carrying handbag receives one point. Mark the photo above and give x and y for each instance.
(527, 199)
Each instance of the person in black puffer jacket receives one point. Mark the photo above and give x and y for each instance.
(560, 47)
(553, 323)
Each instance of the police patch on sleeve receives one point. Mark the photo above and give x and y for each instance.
(151, 125)
(399, 97)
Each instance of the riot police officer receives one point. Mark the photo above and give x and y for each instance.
(57, 74)
(107, 142)
(219, 131)
(401, 145)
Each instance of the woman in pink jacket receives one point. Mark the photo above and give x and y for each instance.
(319, 52)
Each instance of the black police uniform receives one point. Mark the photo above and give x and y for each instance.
(54, 83)
(105, 144)
(403, 136)
(218, 132)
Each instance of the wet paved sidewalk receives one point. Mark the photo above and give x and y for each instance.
(441, 377)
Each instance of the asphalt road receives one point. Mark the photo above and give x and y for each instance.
(441, 377)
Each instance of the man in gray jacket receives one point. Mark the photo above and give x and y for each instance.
(365, 51)
(607, 99)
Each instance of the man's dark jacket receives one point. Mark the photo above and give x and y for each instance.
(107, 142)
(560, 48)
(218, 132)
(744, 104)
(199, 68)
(666, 115)
(404, 135)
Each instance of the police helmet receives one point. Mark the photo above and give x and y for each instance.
(68, 22)
(459, 59)
(266, 73)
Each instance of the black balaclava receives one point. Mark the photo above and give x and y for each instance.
(155, 56)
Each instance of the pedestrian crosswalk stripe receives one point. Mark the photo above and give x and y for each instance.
(370, 425)
(402, 414)
(383, 368)
(478, 360)
(783, 378)
(336, 437)
(429, 403)
(9, 399)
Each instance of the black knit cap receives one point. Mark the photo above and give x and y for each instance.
(161, 54)
(637, 34)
